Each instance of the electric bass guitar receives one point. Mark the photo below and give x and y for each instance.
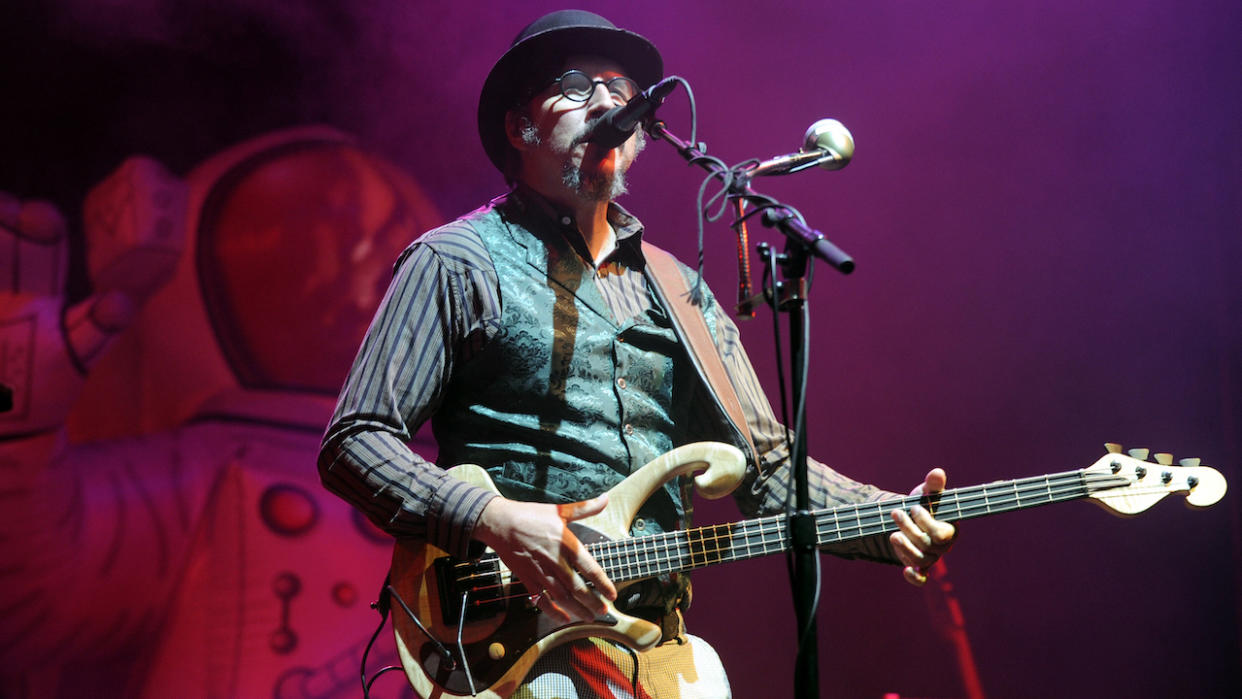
(467, 628)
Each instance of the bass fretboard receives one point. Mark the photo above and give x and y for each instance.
(687, 549)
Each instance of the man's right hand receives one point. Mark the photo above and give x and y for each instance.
(534, 541)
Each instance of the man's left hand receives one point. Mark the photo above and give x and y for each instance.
(922, 539)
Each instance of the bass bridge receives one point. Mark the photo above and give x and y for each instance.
(473, 590)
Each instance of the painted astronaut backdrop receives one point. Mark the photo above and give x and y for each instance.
(181, 546)
(1044, 206)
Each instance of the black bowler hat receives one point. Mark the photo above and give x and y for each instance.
(543, 47)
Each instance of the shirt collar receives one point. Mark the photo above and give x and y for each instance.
(542, 214)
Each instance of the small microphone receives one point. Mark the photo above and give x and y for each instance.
(617, 124)
(827, 144)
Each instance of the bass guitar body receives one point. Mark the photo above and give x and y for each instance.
(471, 630)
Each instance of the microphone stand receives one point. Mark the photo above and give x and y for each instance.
(789, 296)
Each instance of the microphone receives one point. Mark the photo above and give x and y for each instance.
(615, 126)
(827, 144)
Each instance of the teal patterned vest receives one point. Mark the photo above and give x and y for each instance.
(564, 401)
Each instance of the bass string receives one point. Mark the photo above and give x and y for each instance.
(968, 502)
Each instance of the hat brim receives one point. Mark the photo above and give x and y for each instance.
(511, 74)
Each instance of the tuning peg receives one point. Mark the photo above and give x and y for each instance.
(1113, 447)
(1164, 459)
(1192, 462)
(1140, 454)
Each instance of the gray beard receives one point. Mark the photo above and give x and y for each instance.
(599, 187)
(593, 187)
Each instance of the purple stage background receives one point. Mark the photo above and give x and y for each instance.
(1045, 207)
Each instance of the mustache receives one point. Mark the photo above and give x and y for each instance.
(588, 130)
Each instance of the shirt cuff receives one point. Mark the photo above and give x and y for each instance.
(455, 510)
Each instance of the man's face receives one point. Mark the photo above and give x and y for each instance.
(555, 159)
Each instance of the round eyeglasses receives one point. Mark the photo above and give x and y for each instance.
(578, 86)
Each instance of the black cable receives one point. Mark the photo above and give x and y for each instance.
(366, 690)
(723, 173)
(769, 286)
(444, 652)
(634, 674)
(381, 606)
(804, 371)
(800, 437)
(719, 171)
(805, 633)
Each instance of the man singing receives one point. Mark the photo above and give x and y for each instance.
(528, 332)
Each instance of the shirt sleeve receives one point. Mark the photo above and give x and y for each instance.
(767, 489)
(442, 301)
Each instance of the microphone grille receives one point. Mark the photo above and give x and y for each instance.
(830, 135)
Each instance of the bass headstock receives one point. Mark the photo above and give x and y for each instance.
(1129, 484)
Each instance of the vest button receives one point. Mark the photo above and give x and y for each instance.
(640, 523)
(629, 429)
(621, 382)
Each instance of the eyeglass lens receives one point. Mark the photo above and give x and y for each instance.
(578, 86)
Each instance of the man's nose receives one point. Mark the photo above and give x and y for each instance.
(601, 100)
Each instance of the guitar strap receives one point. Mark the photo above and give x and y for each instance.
(670, 286)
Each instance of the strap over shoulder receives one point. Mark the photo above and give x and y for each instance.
(670, 286)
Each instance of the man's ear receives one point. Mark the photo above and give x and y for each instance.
(515, 121)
